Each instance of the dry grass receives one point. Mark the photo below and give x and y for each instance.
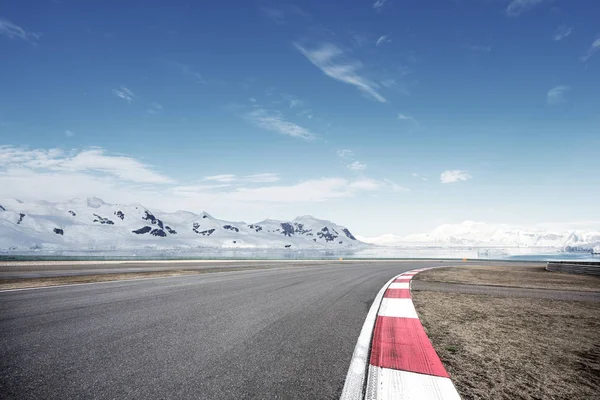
(515, 348)
(525, 276)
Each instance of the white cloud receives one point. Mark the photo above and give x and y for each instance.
(345, 153)
(422, 177)
(58, 175)
(357, 166)
(366, 184)
(294, 102)
(273, 121)
(191, 189)
(256, 178)
(221, 178)
(12, 31)
(562, 32)
(518, 7)
(378, 4)
(262, 178)
(557, 94)
(406, 117)
(395, 187)
(382, 39)
(317, 190)
(330, 59)
(592, 50)
(455, 175)
(125, 94)
(69, 133)
(92, 160)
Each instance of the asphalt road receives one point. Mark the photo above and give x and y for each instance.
(260, 334)
(47, 269)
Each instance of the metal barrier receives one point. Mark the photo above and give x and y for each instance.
(575, 267)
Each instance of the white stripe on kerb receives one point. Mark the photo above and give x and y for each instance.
(357, 373)
(400, 285)
(384, 384)
(401, 308)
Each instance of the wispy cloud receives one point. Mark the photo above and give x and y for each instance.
(395, 187)
(455, 175)
(294, 102)
(406, 117)
(267, 177)
(274, 121)
(59, 175)
(378, 4)
(125, 94)
(221, 178)
(330, 59)
(518, 7)
(557, 94)
(316, 190)
(562, 32)
(422, 177)
(69, 133)
(592, 50)
(93, 160)
(345, 153)
(382, 39)
(11, 31)
(357, 166)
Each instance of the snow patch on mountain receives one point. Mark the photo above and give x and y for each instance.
(91, 224)
(470, 233)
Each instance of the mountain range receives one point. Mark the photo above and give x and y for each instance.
(91, 224)
(470, 233)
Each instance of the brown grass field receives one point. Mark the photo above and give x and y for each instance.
(514, 348)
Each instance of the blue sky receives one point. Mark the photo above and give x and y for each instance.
(389, 116)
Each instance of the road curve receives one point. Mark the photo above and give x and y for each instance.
(277, 333)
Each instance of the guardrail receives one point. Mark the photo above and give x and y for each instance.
(574, 267)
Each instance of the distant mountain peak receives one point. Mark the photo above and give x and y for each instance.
(472, 233)
(93, 224)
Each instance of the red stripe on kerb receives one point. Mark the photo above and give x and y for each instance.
(397, 293)
(401, 343)
(403, 279)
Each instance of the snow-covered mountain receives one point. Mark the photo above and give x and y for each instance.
(92, 224)
(471, 233)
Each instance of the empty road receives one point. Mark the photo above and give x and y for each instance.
(258, 334)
